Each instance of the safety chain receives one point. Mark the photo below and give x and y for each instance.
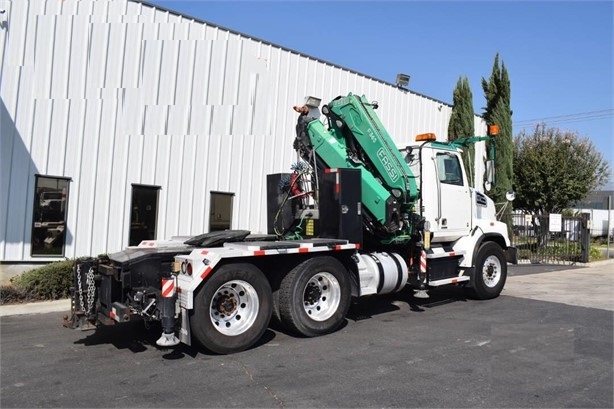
(90, 290)
(79, 286)
(89, 281)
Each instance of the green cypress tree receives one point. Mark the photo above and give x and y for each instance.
(498, 111)
(461, 121)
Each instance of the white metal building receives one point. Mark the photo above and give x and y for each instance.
(121, 121)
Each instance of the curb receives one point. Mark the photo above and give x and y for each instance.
(39, 307)
(600, 263)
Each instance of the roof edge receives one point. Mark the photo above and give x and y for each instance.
(176, 13)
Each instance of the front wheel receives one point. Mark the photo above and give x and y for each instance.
(314, 297)
(232, 309)
(490, 272)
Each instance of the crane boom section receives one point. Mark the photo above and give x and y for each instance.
(331, 148)
(355, 138)
(390, 167)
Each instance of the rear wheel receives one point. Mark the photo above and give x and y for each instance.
(490, 272)
(232, 309)
(314, 297)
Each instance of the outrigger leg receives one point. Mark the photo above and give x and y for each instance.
(166, 301)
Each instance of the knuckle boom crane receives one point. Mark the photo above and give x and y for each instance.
(389, 219)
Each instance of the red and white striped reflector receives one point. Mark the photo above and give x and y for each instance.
(423, 262)
(337, 185)
(206, 273)
(168, 287)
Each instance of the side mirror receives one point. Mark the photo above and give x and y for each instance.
(490, 174)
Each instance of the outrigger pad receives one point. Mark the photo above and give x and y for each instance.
(217, 238)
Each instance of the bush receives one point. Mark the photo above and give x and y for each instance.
(49, 282)
(10, 294)
(594, 254)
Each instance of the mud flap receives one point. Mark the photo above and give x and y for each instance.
(511, 255)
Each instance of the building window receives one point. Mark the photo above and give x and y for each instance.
(49, 220)
(220, 216)
(144, 214)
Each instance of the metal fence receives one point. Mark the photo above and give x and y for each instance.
(551, 240)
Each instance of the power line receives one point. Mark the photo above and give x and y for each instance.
(579, 117)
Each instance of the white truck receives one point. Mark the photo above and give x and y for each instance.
(362, 218)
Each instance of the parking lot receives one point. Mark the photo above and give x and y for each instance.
(519, 350)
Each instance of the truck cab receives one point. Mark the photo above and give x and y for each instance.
(446, 198)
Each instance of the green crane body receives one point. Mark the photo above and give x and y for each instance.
(357, 139)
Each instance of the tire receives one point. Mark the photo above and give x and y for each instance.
(314, 297)
(490, 272)
(232, 309)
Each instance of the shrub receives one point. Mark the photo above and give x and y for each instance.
(49, 282)
(594, 254)
(10, 294)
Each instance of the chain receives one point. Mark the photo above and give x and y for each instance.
(79, 286)
(90, 290)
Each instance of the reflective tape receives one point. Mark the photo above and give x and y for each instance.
(168, 287)
(423, 262)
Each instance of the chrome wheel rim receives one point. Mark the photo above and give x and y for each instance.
(234, 307)
(491, 271)
(321, 296)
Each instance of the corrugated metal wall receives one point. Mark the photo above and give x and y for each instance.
(115, 93)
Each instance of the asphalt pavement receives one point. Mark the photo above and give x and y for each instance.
(534, 346)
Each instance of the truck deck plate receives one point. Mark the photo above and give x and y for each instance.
(134, 255)
(264, 245)
(319, 242)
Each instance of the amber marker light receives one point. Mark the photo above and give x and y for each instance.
(425, 137)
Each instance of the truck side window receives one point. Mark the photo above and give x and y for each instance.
(448, 169)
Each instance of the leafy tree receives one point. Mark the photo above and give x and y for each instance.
(498, 111)
(461, 121)
(555, 169)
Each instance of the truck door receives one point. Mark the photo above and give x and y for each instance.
(454, 198)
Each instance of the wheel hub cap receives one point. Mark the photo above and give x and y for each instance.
(321, 296)
(234, 308)
(491, 271)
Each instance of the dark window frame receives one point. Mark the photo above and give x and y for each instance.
(157, 188)
(38, 213)
(217, 192)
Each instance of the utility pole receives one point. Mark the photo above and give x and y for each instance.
(609, 225)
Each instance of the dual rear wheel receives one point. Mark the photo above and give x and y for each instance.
(233, 308)
(314, 297)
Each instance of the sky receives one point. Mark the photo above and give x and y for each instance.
(559, 54)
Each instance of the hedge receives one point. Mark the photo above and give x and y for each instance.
(49, 282)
